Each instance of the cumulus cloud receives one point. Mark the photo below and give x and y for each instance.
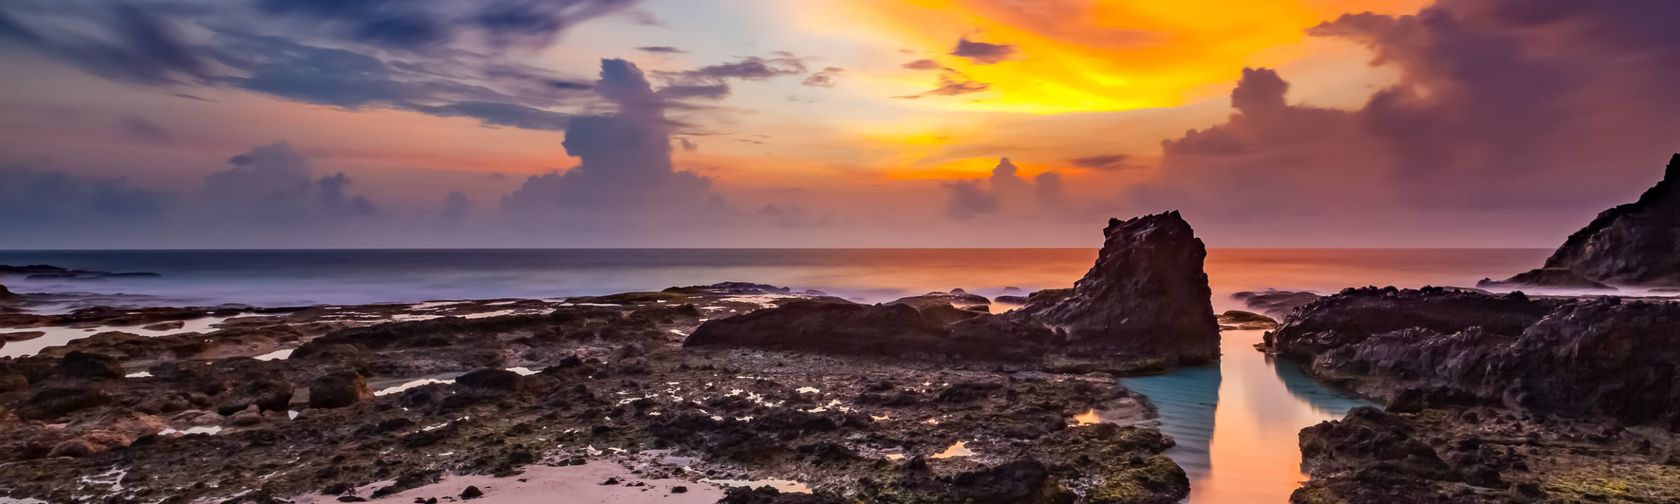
(34, 199)
(1004, 190)
(625, 166)
(456, 206)
(982, 52)
(276, 183)
(269, 193)
(1500, 107)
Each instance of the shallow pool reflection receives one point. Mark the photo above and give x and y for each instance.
(1236, 422)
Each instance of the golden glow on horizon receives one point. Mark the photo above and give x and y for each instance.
(1085, 55)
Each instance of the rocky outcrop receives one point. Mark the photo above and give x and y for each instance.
(890, 329)
(1146, 298)
(1438, 347)
(1631, 244)
(1554, 278)
(338, 390)
(1147, 295)
(6, 294)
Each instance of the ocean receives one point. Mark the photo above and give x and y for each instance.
(303, 277)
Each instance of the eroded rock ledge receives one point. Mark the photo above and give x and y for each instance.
(1636, 243)
(1145, 304)
(1491, 398)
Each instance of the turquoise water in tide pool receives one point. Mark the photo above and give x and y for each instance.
(1235, 421)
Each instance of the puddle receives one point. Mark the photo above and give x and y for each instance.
(276, 355)
(957, 449)
(60, 335)
(211, 430)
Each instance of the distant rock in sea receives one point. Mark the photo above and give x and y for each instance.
(1632, 244)
(1146, 298)
(1275, 303)
(49, 272)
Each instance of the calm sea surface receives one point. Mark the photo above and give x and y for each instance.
(1235, 421)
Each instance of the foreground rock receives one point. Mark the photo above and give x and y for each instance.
(501, 391)
(1492, 398)
(1144, 304)
(1632, 244)
(1484, 455)
(1432, 347)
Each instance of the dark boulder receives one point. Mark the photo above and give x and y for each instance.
(492, 379)
(338, 390)
(1631, 244)
(88, 365)
(1147, 295)
(267, 394)
(7, 294)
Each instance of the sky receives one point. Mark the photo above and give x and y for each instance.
(825, 123)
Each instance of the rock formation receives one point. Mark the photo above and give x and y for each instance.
(1632, 244)
(1147, 295)
(1439, 347)
(1146, 298)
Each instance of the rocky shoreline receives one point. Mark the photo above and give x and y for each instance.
(1491, 398)
(733, 392)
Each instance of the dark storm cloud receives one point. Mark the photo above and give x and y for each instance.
(511, 115)
(136, 48)
(712, 82)
(1105, 162)
(660, 50)
(749, 68)
(414, 26)
(982, 52)
(346, 54)
(827, 77)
